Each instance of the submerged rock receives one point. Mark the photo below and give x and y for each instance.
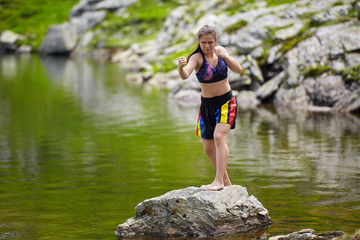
(310, 234)
(196, 213)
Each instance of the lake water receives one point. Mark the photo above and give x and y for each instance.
(80, 148)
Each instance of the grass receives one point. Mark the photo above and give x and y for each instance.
(32, 18)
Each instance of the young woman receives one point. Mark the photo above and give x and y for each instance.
(218, 105)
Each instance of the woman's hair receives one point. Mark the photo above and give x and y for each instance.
(205, 30)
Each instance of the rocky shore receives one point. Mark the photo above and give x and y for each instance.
(303, 55)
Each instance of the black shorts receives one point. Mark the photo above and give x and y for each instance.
(219, 109)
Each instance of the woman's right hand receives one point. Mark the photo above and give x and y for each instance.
(182, 61)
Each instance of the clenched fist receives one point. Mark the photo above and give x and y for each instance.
(182, 61)
(221, 52)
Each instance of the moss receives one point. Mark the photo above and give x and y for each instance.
(237, 6)
(279, 2)
(316, 71)
(351, 74)
(233, 28)
(292, 42)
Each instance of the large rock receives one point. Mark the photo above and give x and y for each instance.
(8, 41)
(194, 212)
(59, 39)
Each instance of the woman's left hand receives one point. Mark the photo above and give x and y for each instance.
(221, 52)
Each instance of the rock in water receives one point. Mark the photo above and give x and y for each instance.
(196, 213)
(59, 39)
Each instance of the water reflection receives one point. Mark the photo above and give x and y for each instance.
(75, 135)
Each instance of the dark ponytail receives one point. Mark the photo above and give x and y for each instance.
(198, 49)
(205, 30)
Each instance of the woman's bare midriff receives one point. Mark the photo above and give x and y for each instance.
(209, 90)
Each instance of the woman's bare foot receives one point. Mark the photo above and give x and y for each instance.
(213, 187)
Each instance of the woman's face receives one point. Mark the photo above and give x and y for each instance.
(207, 43)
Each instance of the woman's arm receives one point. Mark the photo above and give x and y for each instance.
(186, 70)
(234, 65)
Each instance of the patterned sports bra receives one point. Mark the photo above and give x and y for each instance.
(209, 74)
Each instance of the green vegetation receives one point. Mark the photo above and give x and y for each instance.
(32, 18)
(233, 28)
(349, 74)
(303, 34)
(311, 71)
(279, 2)
(236, 6)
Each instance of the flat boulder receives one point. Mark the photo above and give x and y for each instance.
(193, 212)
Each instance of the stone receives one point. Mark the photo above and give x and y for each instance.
(330, 14)
(247, 99)
(193, 212)
(9, 37)
(357, 9)
(26, 49)
(188, 97)
(9, 40)
(270, 87)
(113, 4)
(59, 39)
(295, 98)
(325, 90)
(310, 234)
(87, 20)
(350, 102)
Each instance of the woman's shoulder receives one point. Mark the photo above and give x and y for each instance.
(197, 57)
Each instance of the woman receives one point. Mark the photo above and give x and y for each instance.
(218, 106)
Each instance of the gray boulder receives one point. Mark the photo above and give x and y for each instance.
(247, 99)
(197, 213)
(326, 89)
(8, 41)
(59, 39)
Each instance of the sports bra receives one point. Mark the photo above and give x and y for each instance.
(209, 74)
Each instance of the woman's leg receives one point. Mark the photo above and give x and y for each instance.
(210, 150)
(219, 157)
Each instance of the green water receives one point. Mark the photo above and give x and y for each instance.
(80, 148)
